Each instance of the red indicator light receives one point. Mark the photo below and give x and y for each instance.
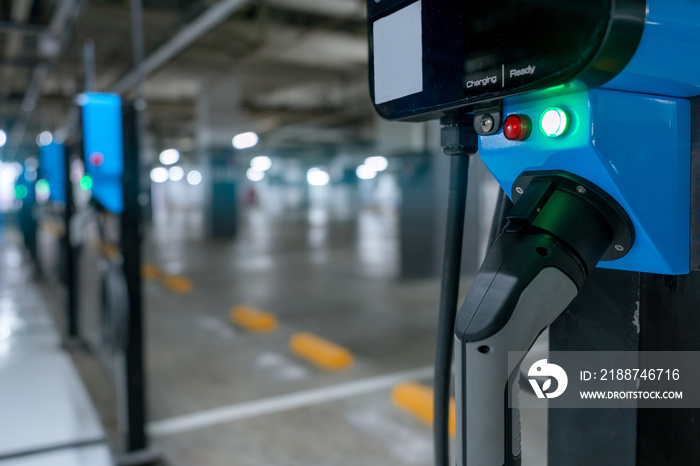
(517, 127)
(96, 159)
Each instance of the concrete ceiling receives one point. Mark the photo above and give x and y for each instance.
(294, 70)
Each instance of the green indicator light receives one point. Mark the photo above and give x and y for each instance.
(42, 187)
(21, 191)
(86, 183)
(554, 122)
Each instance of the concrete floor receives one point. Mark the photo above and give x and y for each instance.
(337, 279)
(47, 417)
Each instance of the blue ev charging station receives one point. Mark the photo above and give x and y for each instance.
(25, 191)
(52, 163)
(54, 168)
(583, 112)
(103, 147)
(111, 152)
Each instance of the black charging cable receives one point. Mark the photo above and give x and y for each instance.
(458, 140)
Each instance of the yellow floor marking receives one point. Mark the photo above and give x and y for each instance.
(253, 319)
(109, 250)
(417, 399)
(151, 272)
(320, 352)
(53, 228)
(177, 283)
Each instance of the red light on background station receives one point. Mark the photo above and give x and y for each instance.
(96, 159)
(517, 127)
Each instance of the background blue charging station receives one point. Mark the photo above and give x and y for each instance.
(52, 160)
(634, 146)
(103, 147)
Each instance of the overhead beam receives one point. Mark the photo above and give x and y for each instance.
(13, 42)
(27, 29)
(50, 45)
(334, 8)
(183, 39)
(19, 14)
(20, 62)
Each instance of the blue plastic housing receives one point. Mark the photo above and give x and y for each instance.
(103, 147)
(52, 159)
(665, 62)
(634, 146)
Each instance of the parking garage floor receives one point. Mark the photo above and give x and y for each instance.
(220, 395)
(46, 416)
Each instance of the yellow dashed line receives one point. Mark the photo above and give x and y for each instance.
(417, 399)
(320, 352)
(151, 272)
(253, 319)
(53, 228)
(177, 283)
(174, 283)
(110, 250)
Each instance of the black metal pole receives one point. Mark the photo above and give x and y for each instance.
(89, 65)
(131, 252)
(72, 317)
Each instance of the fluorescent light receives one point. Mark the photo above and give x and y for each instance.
(44, 139)
(244, 140)
(254, 175)
(261, 163)
(194, 177)
(176, 173)
(3, 138)
(159, 175)
(10, 172)
(169, 156)
(317, 177)
(365, 172)
(377, 163)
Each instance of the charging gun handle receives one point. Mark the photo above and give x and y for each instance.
(508, 316)
(558, 230)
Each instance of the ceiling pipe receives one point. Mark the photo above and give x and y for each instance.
(50, 46)
(183, 39)
(27, 29)
(19, 14)
(12, 46)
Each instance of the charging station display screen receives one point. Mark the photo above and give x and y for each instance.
(429, 56)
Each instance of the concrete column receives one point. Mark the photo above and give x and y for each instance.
(219, 118)
(222, 202)
(424, 185)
